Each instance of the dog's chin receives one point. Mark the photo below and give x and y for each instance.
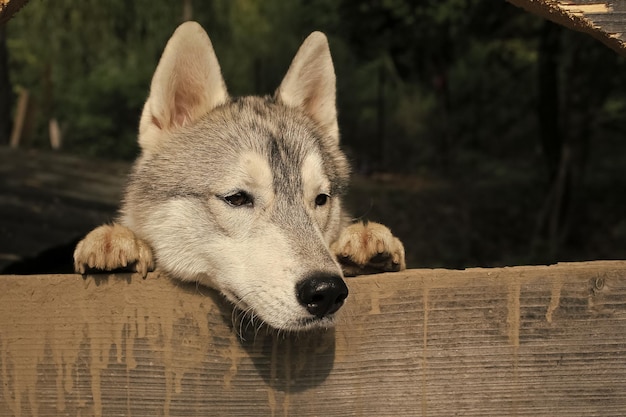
(280, 322)
(313, 323)
(302, 324)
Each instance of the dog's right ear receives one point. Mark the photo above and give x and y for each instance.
(186, 85)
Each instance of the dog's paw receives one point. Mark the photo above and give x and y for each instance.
(112, 247)
(368, 248)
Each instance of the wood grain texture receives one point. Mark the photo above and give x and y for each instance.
(523, 341)
(604, 20)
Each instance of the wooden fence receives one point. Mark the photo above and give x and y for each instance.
(522, 341)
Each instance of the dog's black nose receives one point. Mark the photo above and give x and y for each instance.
(322, 294)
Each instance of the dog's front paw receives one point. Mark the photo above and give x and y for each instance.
(368, 248)
(111, 247)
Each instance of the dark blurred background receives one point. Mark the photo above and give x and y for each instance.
(481, 134)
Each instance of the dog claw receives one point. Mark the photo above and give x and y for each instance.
(111, 247)
(368, 248)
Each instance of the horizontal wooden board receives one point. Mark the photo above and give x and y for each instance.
(602, 19)
(8, 8)
(522, 341)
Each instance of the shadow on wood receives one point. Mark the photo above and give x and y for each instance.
(540, 341)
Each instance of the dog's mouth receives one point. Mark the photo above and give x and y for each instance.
(299, 323)
(309, 323)
(314, 303)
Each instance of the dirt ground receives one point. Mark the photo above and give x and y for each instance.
(48, 200)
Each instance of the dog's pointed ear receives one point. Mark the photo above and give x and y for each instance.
(186, 85)
(310, 84)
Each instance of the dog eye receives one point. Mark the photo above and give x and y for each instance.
(239, 199)
(321, 199)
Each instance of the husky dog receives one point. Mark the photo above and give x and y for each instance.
(243, 194)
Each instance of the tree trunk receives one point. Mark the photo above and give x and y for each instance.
(187, 10)
(548, 97)
(381, 121)
(5, 89)
(548, 235)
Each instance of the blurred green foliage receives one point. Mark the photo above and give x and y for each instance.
(478, 93)
(433, 85)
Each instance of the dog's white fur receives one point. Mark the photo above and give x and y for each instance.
(202, 150)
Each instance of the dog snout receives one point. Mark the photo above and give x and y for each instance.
(322, 294)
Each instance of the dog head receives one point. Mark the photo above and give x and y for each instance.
(243, 194)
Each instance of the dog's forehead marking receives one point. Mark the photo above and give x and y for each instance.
(255, 168)
(314, 178)
(255, 173)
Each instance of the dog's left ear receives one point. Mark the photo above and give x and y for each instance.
(310, 84)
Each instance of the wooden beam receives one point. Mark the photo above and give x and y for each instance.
(604, 20)
(20, 119)
(523, 341)
(8, 8)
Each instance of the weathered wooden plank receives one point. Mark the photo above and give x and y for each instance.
(602, 19)
(8, 8)
(524, 341)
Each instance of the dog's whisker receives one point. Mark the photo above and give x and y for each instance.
(243, 316)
